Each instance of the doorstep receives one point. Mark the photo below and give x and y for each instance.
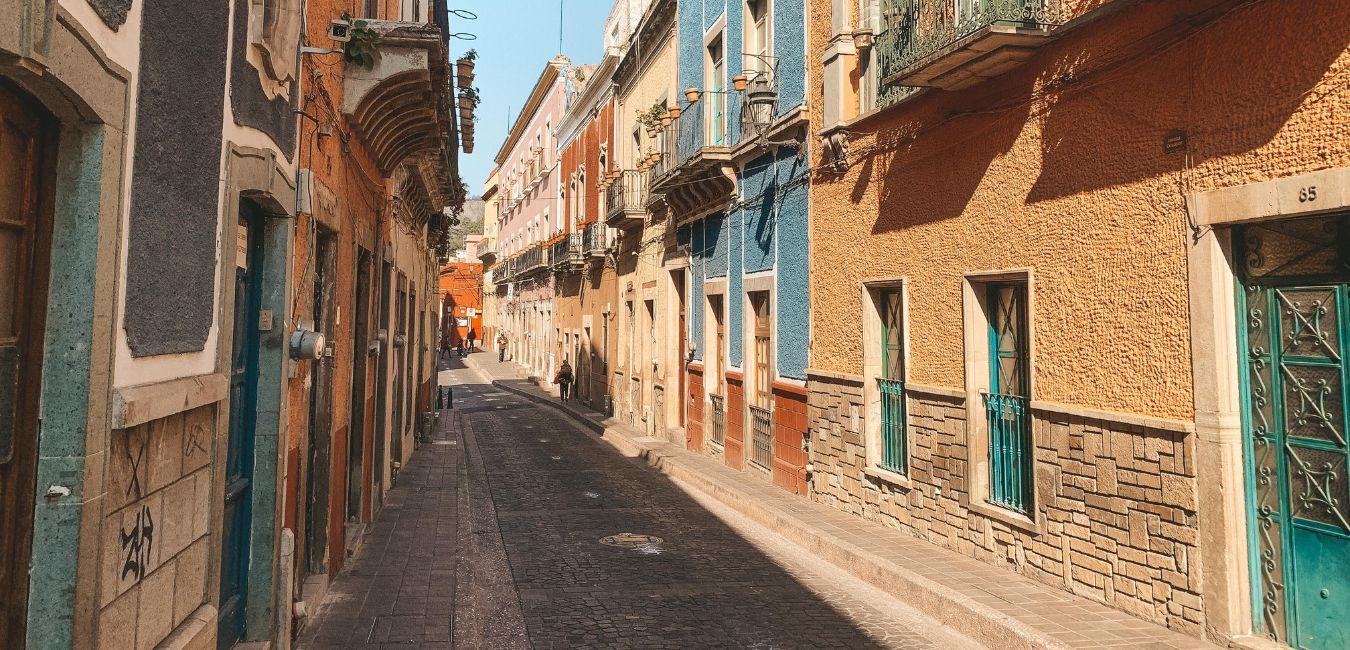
(994, 606)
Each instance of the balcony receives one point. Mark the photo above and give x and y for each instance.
(487, 252)
(690, 176)
(952, 44)
(597, 238)
(568, 253)
(532, 260)
(626, 199)
(400, 106)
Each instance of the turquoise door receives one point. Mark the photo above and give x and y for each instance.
(1296, 329)
(234, 551)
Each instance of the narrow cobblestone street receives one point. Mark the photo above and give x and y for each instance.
(513, 528)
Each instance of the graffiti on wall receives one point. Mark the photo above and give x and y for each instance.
(137, 443)
(137, 543)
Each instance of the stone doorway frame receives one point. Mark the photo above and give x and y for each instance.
(1215, 366)
(256, 175)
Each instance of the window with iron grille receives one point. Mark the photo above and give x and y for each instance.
(761, 403)
(891, 383)
(1008, 403)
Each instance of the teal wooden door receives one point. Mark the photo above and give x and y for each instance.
(237, 529)
(1296, 307)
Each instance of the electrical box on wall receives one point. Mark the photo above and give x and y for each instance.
(304, 191)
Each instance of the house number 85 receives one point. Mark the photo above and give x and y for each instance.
(1307, 194)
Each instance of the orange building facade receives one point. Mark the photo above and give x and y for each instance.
(461, 287)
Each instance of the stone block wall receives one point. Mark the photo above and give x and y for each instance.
(154, 569)
(1115, 497)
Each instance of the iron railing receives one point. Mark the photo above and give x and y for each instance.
(597, 238)
(1010, 450)
(717, 419)
(761, 433)
(893, 433)
(532, 259)
(567, 251)
(627, 195)
(914, 30)
(669, 145)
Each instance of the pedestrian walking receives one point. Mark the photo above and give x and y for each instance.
(501, 347)
(563, 379)
(472, 335)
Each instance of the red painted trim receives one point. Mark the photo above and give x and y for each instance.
(780, 387)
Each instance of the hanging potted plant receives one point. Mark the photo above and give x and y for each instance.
(464, 66)
(674, 110)
(691, 94)
(739, 81)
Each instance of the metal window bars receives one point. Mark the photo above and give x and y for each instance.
(893, 432)
(717, 419)
(761, 431)
(1010, 451)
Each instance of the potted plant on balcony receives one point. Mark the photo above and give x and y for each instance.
(362, 49)
(651, 118)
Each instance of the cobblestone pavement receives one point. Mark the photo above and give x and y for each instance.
(563, 543)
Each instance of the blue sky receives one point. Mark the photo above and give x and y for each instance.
(516, 38)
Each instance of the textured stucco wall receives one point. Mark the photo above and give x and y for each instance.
(1075, 185)
(171, 258)
(793, 301)
(251, 105)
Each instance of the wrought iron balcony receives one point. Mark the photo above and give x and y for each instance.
(597, 238)
(567, 253)
(691, 175)
(670, 149)
(626, 199)
(532, 259)
(952, 44)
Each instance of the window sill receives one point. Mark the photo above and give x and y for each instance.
(887, 476)
(998, 513)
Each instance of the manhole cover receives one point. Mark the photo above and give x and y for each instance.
(631, 540)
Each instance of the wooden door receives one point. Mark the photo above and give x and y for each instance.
(360, 352)
(235, 551)
(319, 483)
(27, 155)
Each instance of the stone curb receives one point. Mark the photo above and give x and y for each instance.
(949, 607)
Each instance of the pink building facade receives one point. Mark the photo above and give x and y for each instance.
(530, 219)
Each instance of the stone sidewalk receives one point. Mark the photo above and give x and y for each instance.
(990, 605)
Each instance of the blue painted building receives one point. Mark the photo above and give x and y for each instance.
(734, 179)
